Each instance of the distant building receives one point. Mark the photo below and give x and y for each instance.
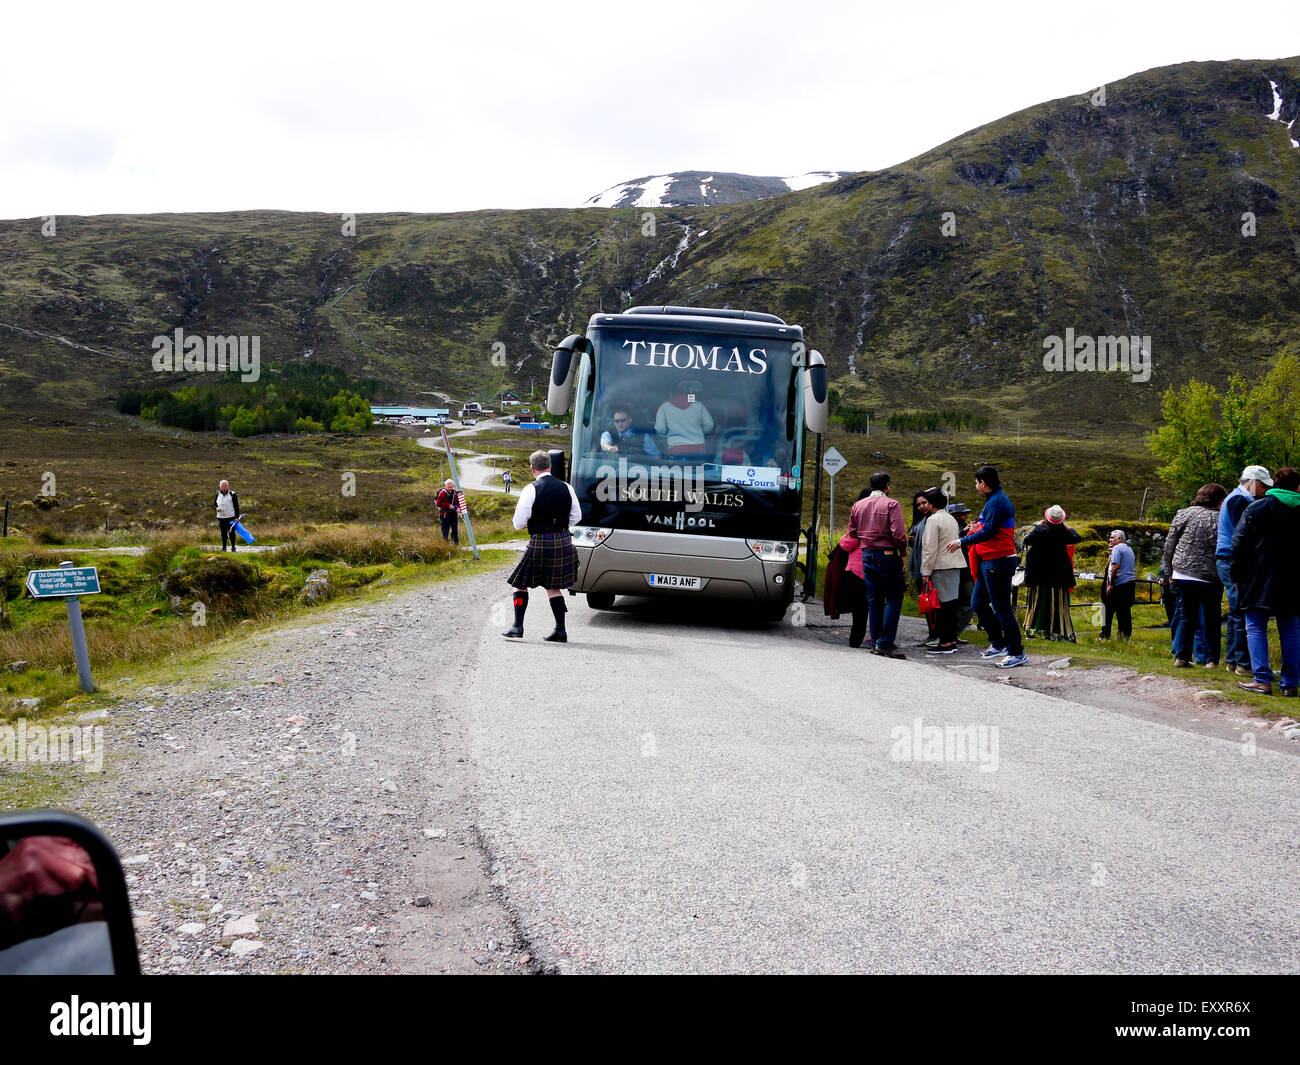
(424, 414)
(510, 399)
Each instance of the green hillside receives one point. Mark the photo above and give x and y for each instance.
(1120, 219)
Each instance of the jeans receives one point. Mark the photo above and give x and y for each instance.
(1235, 653)
(450, 522)
(1119, 606)
(992, 602)
(1198, 644)
(884, 577)
(1198, 610)
(1288, 630)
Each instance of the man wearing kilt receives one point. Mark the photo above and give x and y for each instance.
(547, 507)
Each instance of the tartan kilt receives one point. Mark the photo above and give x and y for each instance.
(549, 561)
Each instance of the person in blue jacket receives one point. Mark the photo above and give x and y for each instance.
(1255, 481)
(994, 546)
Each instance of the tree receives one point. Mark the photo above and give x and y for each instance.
(1277, 405)
(1187, 439)
(244, 423)
(1242, 440)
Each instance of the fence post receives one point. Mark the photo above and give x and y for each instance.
(6, 526)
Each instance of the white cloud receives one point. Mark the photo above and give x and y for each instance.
(386, 106)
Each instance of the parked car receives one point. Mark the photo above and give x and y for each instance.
(470, 421)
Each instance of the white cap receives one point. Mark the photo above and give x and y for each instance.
(1257, 473)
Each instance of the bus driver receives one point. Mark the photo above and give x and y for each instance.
(623, 437)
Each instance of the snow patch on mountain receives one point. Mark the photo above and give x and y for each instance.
(700, 188)
(1276, 116)
(814, 177)
(654, 191)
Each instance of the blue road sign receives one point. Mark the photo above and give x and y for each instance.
(56, 583)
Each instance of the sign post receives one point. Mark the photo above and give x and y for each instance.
(832, 463)
(455, 476)
(68, 582)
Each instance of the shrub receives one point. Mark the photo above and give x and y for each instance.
(224, 583)
(158, 556)
(362, 545)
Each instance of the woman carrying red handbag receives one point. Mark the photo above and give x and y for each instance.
(941, 570)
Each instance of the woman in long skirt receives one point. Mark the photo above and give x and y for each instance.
(1049, 576)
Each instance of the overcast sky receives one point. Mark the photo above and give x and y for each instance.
(381, 106)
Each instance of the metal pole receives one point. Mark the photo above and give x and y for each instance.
(810, 555)
(832, 524)
(79, 651)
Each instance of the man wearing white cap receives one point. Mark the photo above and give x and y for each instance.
(1255, 481)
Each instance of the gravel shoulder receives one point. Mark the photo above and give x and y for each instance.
(305, 803)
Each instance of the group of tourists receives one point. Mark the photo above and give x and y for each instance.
(1246, 542)
(965, 567)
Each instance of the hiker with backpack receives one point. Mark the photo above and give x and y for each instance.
(448, 511)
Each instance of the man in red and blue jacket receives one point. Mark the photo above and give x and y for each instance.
(993, 556)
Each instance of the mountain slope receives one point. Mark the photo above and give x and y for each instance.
(1118, 219)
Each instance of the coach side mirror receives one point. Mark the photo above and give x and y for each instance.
(816, 393)
(557, 465)
(563, 364)
(64, 909)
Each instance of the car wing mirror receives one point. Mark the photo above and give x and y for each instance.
(64, 908)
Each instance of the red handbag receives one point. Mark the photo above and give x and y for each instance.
(928, 600)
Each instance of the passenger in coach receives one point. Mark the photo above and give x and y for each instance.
(685, 422)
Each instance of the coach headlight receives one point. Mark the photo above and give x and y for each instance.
(588, 535)
(774, 550)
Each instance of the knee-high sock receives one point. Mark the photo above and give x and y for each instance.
(558, 608)
(521, 605)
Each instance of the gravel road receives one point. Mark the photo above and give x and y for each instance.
(395, 788)
(305, 803)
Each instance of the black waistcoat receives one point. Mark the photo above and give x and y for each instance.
(551, 505)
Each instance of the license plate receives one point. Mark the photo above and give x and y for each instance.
(670, 580)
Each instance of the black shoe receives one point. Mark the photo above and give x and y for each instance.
(942, 649)
(514, 633)
(889, 652)
(557, 637)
